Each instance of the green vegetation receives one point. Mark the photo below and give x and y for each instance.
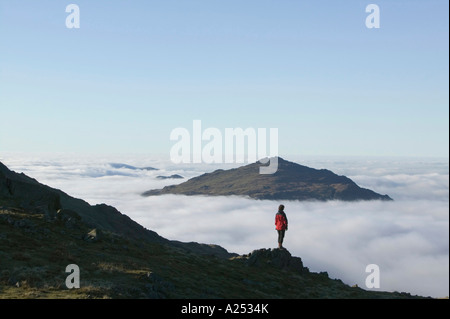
(43, 230)
(35, 251)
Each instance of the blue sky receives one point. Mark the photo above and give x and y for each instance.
(136, 70)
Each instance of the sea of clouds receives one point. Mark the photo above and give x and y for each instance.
(407, 238)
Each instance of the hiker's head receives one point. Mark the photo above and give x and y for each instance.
(281, 208)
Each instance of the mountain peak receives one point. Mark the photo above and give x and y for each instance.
(291, 181)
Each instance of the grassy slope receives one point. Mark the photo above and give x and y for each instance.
(35, 251)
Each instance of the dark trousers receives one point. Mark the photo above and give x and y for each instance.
(280, 236)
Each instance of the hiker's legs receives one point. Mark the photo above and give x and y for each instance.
(280, 238)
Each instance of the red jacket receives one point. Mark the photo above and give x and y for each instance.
(281, 221)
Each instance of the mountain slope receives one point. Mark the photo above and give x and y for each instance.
(29, 194)
(291, 182)
(34, 254)
(43, 230)
(24, 193)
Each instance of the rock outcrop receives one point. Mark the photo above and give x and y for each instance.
(278, 258)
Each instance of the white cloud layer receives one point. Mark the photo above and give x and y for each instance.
(407, 238)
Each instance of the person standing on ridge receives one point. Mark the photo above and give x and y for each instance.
(281, 223)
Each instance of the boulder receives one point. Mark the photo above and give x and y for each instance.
(93, 236)
(278, 258)
(69, 218)
(67, 214)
